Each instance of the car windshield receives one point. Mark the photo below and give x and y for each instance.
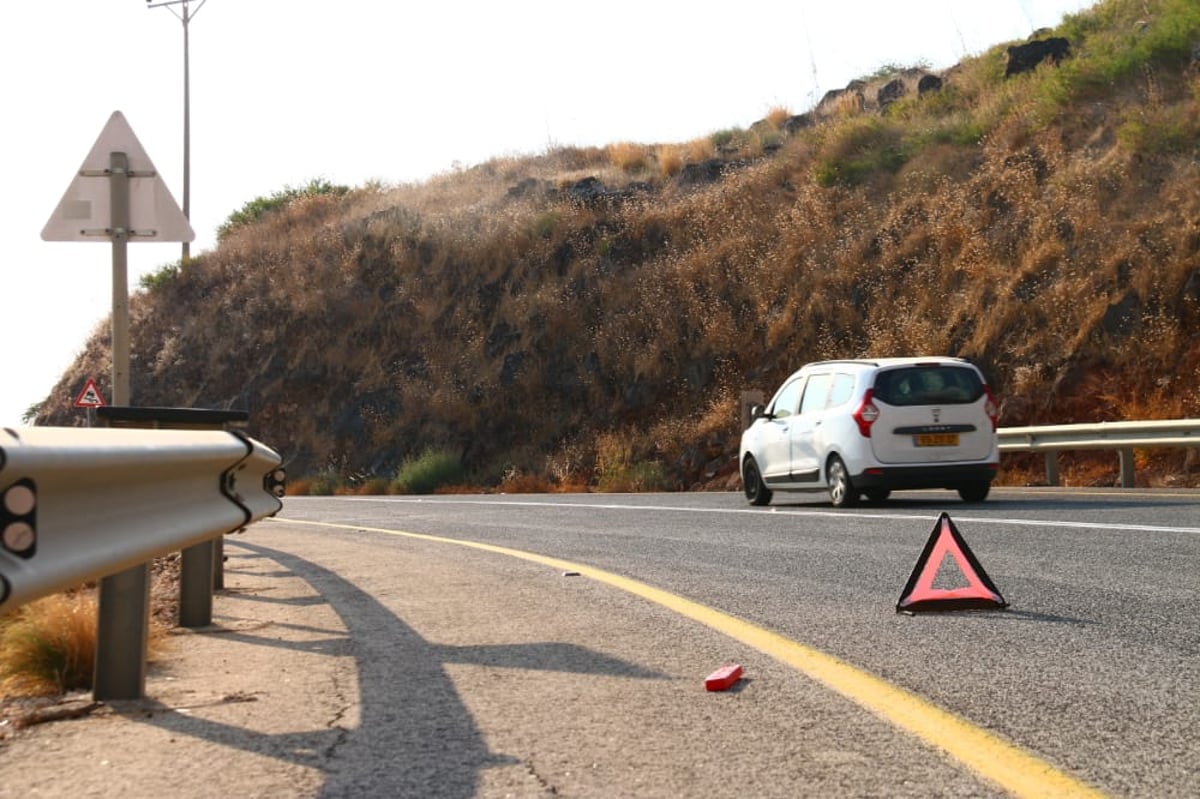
(928, 385)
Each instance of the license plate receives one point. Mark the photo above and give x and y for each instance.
(936, 439)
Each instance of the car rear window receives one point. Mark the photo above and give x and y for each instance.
(928, 385)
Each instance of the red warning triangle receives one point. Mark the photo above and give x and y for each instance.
(90, 396)
(920, 593)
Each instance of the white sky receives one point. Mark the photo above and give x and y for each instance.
(284, 91)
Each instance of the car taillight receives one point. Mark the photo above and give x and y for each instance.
(866, 414)
(991, 407)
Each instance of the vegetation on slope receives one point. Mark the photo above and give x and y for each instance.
(596, 309)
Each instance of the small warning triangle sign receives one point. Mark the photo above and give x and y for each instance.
(90, 397)
(920, 593)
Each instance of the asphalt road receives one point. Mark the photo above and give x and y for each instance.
(1094, 668)
(556, 645)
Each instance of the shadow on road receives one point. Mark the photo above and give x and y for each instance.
(416, 738)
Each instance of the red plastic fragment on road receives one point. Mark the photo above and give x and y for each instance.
(723, 678)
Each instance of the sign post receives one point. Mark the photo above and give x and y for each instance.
(118, 186)
(118, 195)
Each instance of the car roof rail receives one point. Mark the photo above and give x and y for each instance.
(856, 361)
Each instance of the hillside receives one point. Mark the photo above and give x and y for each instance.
(591, 316)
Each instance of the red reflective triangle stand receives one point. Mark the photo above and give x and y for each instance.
(919, 594)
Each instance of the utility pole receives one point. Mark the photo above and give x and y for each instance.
(185, 17)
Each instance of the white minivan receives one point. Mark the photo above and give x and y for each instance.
(868, 427)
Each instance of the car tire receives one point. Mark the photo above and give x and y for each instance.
(877, 495)
(842, 493)
(974, 492)
(756, 490)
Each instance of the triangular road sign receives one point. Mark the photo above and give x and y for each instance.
(90, 397)
(85, 211)
(920, 593)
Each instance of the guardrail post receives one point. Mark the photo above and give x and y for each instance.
(122, 629)
(196, 569)
(1127, 476)
(748, 400)
(1051, 468)
(218, 564)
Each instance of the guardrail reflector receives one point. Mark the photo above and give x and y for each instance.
(18, 518)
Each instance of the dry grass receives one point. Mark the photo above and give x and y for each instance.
(1041, 226)
(848, 105)
(698, 150)
(628, 156)
(777, 116)
(374, 486)
(48, 647)
(670, 160)
(518, 482)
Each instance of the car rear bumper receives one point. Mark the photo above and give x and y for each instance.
(906, 477)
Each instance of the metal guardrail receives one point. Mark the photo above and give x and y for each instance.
(83, 504)
(195, 596)
(1124, 437)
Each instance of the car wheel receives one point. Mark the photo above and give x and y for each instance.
(842, 493)
(752, 483)
(877, 495)
(975, 492)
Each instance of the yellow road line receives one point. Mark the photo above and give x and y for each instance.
(1017, 771)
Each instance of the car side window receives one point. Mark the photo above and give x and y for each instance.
(787, 399)
(815, 393)
(842, 391)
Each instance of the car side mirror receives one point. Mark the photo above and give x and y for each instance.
(758, 412)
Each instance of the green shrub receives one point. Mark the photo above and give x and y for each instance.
(891, 69)
(261, 206)
(730, 139)
(722, 138)
(633, 477)
(962, 130)
(1159, 131)
(165, 275)
(619, 471)
(859, 148)
(859, 167)
(544, 224)
(1114, 42)
(429, 471)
